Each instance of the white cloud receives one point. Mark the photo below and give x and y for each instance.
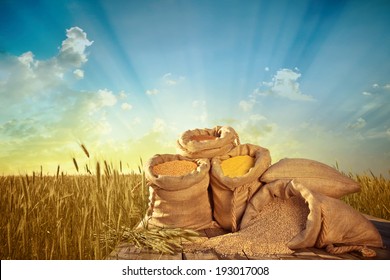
(122, 94)
(284, 84)
(28, 77)
(126, 106)
(79, 74)
(72, 51)
(170, 80)
(106, 98)
(27, 59)
(379, 87)
(246, 106)
(266, 69)
(152, 91)
(359, 124)
(366, 93)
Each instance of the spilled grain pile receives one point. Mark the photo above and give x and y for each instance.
(268, 234)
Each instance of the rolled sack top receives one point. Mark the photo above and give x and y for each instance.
(207, 142)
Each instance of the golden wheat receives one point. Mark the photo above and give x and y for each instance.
(374, 197)
(54, 217)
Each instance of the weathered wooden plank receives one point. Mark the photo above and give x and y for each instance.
(127, 251)
(203, 255)
(322, 254)
(384, 230)
(231, 257)
(305, 253)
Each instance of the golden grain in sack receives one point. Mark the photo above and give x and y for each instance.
(178, 192)
(230, 194)
(207, 142)
(330, 224)
(315, 175)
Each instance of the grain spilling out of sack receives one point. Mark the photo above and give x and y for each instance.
(268, 234)
(175, 168)
(203, 137)
(237, 166)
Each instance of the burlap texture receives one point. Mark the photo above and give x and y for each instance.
(330, 221)
(227, 140)
(179, 201)
(230, 195)
(316, 176)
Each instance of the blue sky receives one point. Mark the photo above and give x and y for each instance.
(304, 79)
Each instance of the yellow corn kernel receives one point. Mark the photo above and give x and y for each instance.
(237, 166)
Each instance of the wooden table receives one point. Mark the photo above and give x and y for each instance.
(125, 251)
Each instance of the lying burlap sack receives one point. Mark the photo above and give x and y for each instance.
(178, 201)
(230, 195)
(226, 139)
(330, 221)
(315, 175)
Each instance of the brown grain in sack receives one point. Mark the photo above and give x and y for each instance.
(330, 222)
(315, 175)
(230, 195)
(207, 142)
(178, 201)
(174, 168)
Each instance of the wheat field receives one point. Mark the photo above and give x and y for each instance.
(68, 217)
(82, 217)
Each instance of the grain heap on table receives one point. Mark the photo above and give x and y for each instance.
(269, 233)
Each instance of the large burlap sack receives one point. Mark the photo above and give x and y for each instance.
(315, 175)
(226, 140)
(330, 222)
(179, 201)
(230, 195)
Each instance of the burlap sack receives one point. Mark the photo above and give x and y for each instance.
(315, 175)
(179, 201)
(330, 221)
(230, 195)
(227, 139)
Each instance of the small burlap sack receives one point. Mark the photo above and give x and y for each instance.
(178, 201)
(315, 175)
(230, 195)
(331, 223)
(226, 140)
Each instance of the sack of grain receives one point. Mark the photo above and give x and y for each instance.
(231, 190)
(330, 221)
(178, 192)
(315, 175)
(207, 142)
